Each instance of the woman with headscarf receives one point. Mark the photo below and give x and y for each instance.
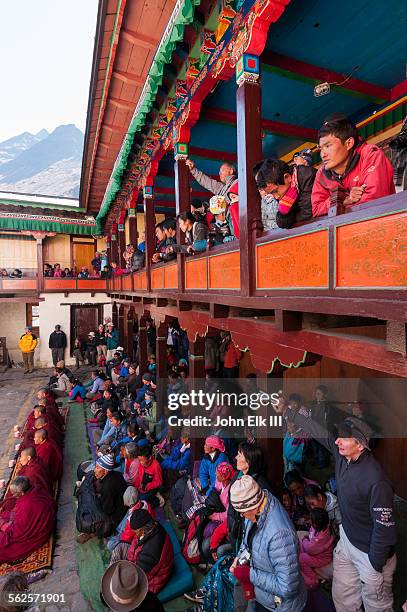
(214, 448)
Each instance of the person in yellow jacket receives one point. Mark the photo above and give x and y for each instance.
(27, 344)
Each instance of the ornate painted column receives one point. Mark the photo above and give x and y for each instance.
(121, 238)
(249, 153)
(182, 204)
(149, 216)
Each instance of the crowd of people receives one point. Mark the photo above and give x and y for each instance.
(267, 542)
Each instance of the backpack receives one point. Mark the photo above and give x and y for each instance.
(190, 546)
(177, 494)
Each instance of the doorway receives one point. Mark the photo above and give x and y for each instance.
(82, 253)
(84, 319)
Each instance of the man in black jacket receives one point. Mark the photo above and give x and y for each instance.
(364, 559)
(57, 344)
(163, 252)
(291, 186)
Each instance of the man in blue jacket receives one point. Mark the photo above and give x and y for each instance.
(364, 559)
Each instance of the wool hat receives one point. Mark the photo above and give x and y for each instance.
(106, 462)
(139, 518)
(217, 204)
(124, 586)
(353, 427)
(246, 494)
(215, 442)
(130, 497)
(143, 443)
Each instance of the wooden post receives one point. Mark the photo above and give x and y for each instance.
(120, 326)
(114, 251)
(129, 332)
(182, 195)
(196, 373)
(132, 213)
(142, 345)
(249, 153)
(161, 360)
(40, 266)
(121, 239)
(149, 216)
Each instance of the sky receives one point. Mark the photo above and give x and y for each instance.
(46, 50)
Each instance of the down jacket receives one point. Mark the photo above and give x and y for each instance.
(207, 469)
(27, 343)
(99, 511)
(178, 460)
(155, 555)
(274, 566)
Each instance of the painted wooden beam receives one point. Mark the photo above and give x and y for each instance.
(399, 90)
(129, 78)
(139, 39)
(220, 115)
(298, 70)
(212, 154)
(122, 103)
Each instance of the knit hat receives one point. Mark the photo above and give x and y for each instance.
(143, 443)
(246, 494)
(234, 188)
(225, 470)
(106, 462)
(215, 442)
(130, 497)
(217, 204)
(139, 518)
(352, 427)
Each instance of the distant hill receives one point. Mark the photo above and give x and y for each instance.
(48, 164)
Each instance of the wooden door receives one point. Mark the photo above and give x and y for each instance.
(83, 253)
(84, 319)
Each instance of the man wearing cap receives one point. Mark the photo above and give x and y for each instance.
(27, 343)
(125, 588)
(57, 344)
(267, 564)
(364, 559)
(100, 492)
(112, 340)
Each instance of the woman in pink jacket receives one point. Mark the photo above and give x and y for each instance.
(316, 549)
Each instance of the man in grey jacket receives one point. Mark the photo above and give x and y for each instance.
(227, 176)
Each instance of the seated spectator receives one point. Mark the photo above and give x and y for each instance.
(316, 548)
(57, 270)
(142, 244)
(62, 386)
(124, 580)
(78, 352)
(271, 569)
(303, 158)
(98, 379)
(42, 422)
(398, 146)
(48, 270)
(78, 392)
(220, 228)
(360, 168)
(269, 205)
(123, 530)
(179, 459)
(224, 475)
(91, 349)
(146, 383)
(149, 478)
(131, 462)
(214, 449)
(101, 342)
(170, 231)
(201, 212)
(296, 483)
(137, 260)
(84, 273)
(49, 453)
(195, 232)
(100, 501)
(147, 412)
(315, 497)
(16, 273)
(106, 272)
(291, 186)
(41, 410)
(227, 176)
(29, 524)
(32, 468)
(116, 432)
(67, 273)
(152, 365)
(116, 271)
(150, 549)
(293, 448)
(96, 263)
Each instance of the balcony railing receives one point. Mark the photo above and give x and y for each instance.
(30, 286)
(349, 255)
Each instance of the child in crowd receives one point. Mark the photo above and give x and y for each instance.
(316, 549)
(78, 392)
(78, 351)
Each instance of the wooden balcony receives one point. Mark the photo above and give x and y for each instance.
(32, 286)
(350, 264)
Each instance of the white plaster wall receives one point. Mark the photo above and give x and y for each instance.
(12, 324)
(53, 311)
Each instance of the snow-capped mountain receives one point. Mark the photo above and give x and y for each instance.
(47, 164)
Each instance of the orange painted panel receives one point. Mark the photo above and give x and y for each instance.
(224, 271)
(195, 274)
(157, 278)
(137, 280)
(19, 284)
(92, 283)
(126, 282)
(171, 276)
(298, 261)
(143, 277)
(52, 284)
(116, 282)
(372, 253)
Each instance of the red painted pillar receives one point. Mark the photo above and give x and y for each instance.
(121, 238)
(114, 251)
(249, 153)
(148, 195)
(142, 342)
(161, 360)
(182, 197)
(132, 214)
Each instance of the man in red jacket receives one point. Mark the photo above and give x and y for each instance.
(361, 169)
(149, 478)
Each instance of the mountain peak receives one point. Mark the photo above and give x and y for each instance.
(42, 134)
